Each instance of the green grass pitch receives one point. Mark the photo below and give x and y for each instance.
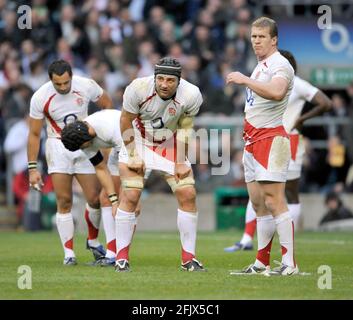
(155, 275)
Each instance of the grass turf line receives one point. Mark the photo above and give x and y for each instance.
(156, 275)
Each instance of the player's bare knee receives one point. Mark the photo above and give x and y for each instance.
(256, 206)
(93, 202)
(64, 204)
(271, 203)
(131, 197)
(186, 196)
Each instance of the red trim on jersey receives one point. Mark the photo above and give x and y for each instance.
(294, 143)
(76, 92)
(140, 127)
(252, 134)
(51, 120)
(147, 99)
(166, 149)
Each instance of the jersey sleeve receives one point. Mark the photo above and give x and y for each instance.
(130, 99)
(36, 110)
(94, 91)
(283, 70)
(306, 90)
(194, 104)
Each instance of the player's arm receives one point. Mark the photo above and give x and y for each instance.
(184, 132)
(276, 89)
(322, 104)
(127, 131)
(105, 101)
(105, 178)
(33, 145)
(103, 173)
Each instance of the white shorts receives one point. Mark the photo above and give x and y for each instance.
(267, 160)
(159, 159)
(61, 160)
(297, 154)
(113, 161)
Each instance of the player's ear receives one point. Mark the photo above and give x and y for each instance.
(274, 40)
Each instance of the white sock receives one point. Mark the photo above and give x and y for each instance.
(65, 225)
(109, 230)
(250, 225)
(93, 219)
(250, 214)
(187, 225)
(295, 212)
(124, 230)
(245, 239)
(285, 230)
(266, 228)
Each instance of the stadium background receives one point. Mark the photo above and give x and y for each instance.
(115, 41)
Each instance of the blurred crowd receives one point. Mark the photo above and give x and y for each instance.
(115, 41)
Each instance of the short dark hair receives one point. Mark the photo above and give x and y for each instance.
(59, 67)
(168, 65)
(75, 134)
(289, 56)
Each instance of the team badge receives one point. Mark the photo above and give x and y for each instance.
(79, 102)
(172, 111)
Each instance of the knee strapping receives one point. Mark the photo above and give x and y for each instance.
(186, 182)
(132, 183)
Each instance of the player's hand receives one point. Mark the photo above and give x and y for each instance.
(181, 171)
(35, 180)
(236, 77)
(115, 207)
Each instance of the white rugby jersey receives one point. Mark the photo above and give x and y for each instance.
(60, 109)
(302, 91)
(262, 113)
(157, 118)
(106, 124)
